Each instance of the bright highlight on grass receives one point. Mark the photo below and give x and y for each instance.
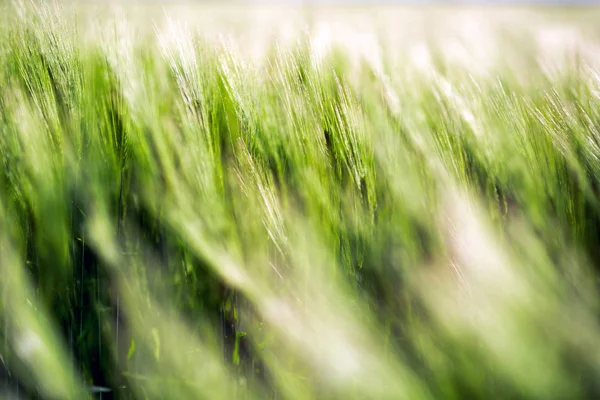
(385, 203)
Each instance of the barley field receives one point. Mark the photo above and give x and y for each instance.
(225, 201)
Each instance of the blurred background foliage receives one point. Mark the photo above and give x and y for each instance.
(211, 202)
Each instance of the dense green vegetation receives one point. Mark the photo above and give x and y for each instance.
(370, 216)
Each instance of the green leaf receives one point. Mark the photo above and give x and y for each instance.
(131, 349)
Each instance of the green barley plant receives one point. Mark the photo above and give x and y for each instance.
(202, 201)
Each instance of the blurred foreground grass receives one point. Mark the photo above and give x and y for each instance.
(322, 203)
